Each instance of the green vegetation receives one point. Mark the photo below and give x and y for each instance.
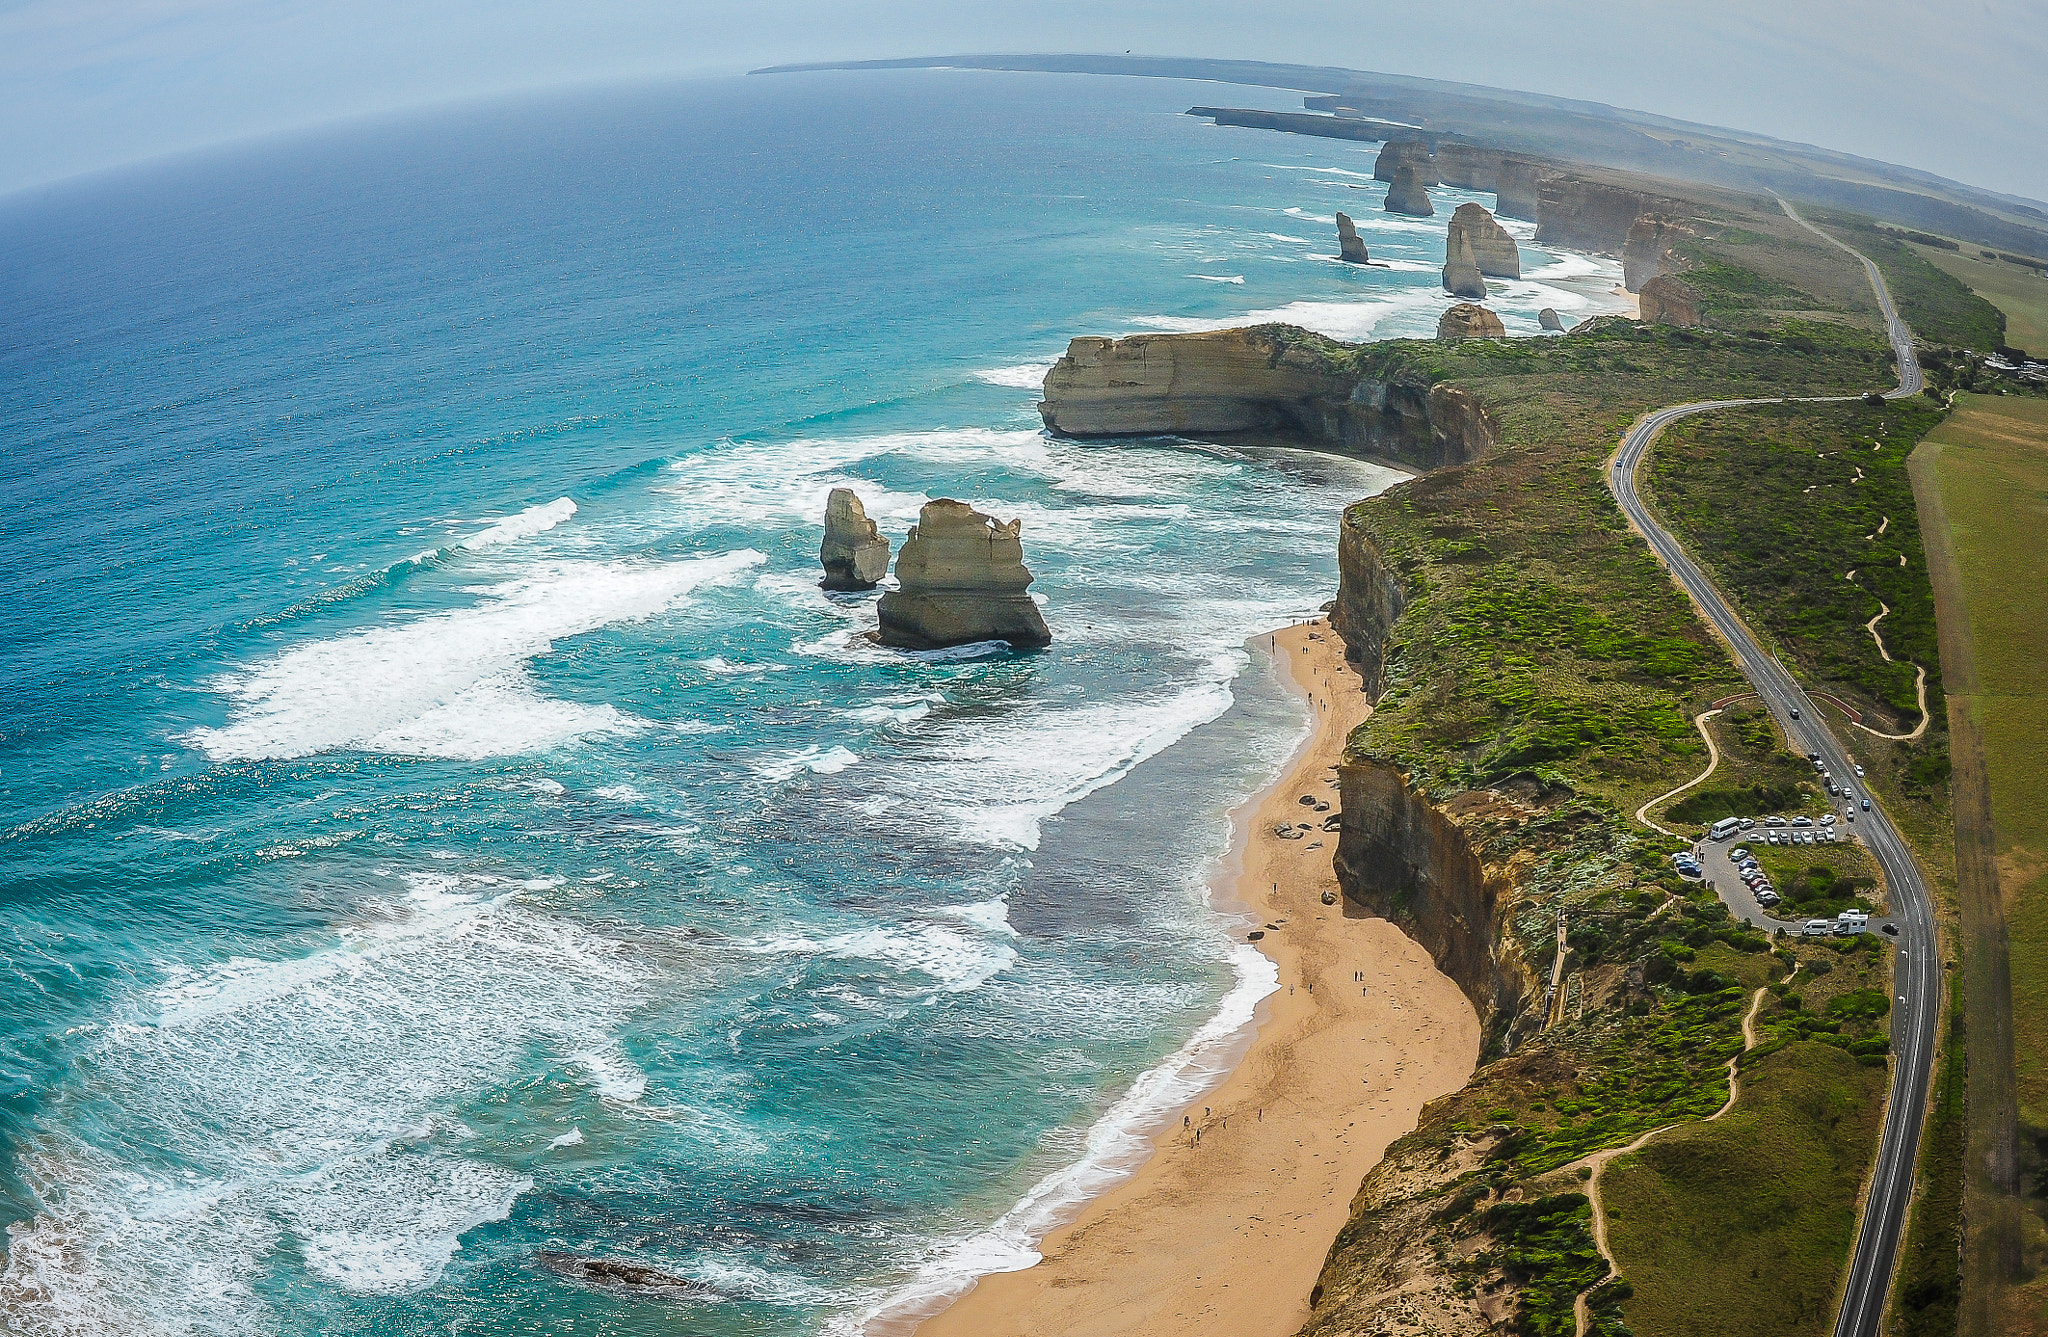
(2019, 292)
(1707, 806)
(1927, 1296)
(1804, 513)
(1546, 1247)
(1989, 465)
(1939, 306)
(1743, 1225)
(1818, 880)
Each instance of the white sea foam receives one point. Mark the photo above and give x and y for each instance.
(309, 1098)
(453, 683)
(816, 759)
(1219, 278)
(1115, 1145)
(1023, 376)
(956, 957)
(572, 1138)
(533, 520)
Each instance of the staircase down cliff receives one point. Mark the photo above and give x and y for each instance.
(1268, 384)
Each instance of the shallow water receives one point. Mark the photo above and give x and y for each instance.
(442, 817)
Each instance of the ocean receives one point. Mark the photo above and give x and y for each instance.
(441, 819)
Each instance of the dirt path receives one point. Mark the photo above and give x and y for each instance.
(1919, 685)
(1699, 722)
(1598, 1160)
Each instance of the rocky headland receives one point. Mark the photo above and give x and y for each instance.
(961, 579)
(1467, 321)
(1349, 246)
(1268, 384)
(854, 553)
(1647, 252)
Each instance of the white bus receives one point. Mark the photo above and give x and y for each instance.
(1725, 828)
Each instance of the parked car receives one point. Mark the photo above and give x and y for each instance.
(1859, 770)
(1774, 821)
(1768, 897)
(1802, 821)
(1891, 930)
(1749, 823)
(1739, 853)
(1818, 928)
(1828, 820)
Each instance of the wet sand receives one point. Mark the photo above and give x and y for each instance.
(1224, 1229)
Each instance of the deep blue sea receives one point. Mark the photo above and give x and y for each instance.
(441, 819)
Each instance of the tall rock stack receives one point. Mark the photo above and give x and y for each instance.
(961, 578)
(1494, 252)
(1466, 321)
(1407, 196)
(1461, 269)
(1399, 153)
(854, 554)
(1349, 246)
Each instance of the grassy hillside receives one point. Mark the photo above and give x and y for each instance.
(1940, 307)
(1804, 514)
(2019, 292)
(1743, 1225)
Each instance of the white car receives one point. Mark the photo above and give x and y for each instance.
(1828, 820)
(1859, 770)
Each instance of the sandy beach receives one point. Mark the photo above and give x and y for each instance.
(1224, 1229)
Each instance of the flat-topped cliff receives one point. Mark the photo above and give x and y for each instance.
(1409, 153)
(1592, 215)
(1265, 384)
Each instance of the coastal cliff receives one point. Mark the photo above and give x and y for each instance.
(1273, 384)
(1592, 215)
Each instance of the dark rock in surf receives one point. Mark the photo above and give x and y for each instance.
(612, 1273)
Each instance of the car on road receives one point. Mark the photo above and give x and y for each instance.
(1866, 808)
(1859, 770)
(1795, 712)
(1891, 930)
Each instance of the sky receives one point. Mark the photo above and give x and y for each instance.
(1951, 86)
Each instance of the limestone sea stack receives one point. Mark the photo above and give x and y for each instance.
(1466, 321)
(1349, 247)
(1547, 318)
(1406, 194)
(961, 579)
(1461, 270)
(855, 554)
(1493, 250)
(1668, 300)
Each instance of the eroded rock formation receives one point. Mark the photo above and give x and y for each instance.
(1266, 384)
(961, 578)
(1406, 194)
(1468, 165)
(1399, 153)
(1349, 247)
(1547, 318)
(1494, 251)
(854, 554)
(1461, 270)
(1466, 321)
(1646, 252)
(1669, 300)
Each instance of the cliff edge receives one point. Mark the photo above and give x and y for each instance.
(1268, 384)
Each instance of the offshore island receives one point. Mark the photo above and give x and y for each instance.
(1545, 1056)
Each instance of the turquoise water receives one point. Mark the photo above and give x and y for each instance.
(442, 820)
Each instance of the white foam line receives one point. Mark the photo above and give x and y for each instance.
(1118, 1143)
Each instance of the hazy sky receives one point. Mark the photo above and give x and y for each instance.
(1957, 87)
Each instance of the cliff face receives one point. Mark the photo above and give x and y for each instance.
(1466, 321)
(1515, 183)
(1646, 252)
(1410, 153)
(1269, 384)
(1589, 215)
(1493, 250)
(962, 579)
(1468, 165)
(1405, 858)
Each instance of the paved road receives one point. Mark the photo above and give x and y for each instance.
(1917, 1001)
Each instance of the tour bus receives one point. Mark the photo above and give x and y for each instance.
(1725, 828)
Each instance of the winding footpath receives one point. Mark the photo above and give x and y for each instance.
(1917, 976)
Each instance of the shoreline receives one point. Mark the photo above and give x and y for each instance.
(1225, 1224)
